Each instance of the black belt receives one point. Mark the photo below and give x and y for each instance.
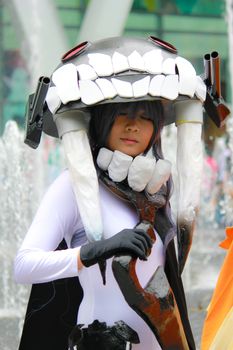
(102, 337)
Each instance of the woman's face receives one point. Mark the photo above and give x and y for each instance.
(130, 135)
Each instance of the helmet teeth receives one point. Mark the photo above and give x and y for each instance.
(169, 66)
(153, 61)
(136, 61)
(156, 85)
(65, 80)
(101, 63)
(187, 77)
(134, 76)
(90, 92)
(120, 63)
(53, 100)
(141, 87)
(123, 88)
(107, 88)
(86, 72)
(169, 88)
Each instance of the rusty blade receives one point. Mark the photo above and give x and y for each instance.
(155, 304)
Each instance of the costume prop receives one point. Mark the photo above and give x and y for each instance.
(155, 303)
(214, 103)
(99, 335)
(127, 70)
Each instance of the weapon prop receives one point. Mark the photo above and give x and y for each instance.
(34, 113)
(214, 104)
(155, 303)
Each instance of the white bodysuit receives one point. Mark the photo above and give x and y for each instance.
(58, 218)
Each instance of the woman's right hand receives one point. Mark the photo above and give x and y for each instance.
(135, 242)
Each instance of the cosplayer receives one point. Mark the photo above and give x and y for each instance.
(108, 102)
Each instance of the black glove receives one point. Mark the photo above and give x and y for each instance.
(134, 242)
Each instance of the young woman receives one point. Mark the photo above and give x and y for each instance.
(131, 129)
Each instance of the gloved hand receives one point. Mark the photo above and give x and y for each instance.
(135, 242)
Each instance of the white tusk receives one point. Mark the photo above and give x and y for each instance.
(79, 160)
(189, 157)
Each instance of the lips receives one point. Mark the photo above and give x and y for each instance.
(129, 141)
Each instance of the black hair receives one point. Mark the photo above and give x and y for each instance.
(103, 116)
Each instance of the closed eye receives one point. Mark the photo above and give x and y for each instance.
(145, 117)
(123, 113)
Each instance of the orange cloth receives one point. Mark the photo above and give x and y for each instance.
(222, 299)
(224, 336)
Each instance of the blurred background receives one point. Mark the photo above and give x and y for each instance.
(34, 34)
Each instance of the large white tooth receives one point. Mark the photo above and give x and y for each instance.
(168, 66)
(153, 61)
(170, 87)
(141, 87)
(52, 99)
(66, 80)
(156, 84)
(86, 72)
(119, 165)
(136, 61)
(123, 88)
(90, 92)
(107, 88)
(137, 176)
(119, 62)
(104, 158)
(101, 63)
(200, 89)
(187, 77)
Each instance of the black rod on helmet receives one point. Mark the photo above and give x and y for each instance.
(34, 113)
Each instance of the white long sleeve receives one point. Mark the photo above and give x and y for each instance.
(57, 218)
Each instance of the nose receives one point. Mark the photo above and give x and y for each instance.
(132, 125)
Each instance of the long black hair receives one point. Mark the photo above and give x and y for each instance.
(103, 117)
